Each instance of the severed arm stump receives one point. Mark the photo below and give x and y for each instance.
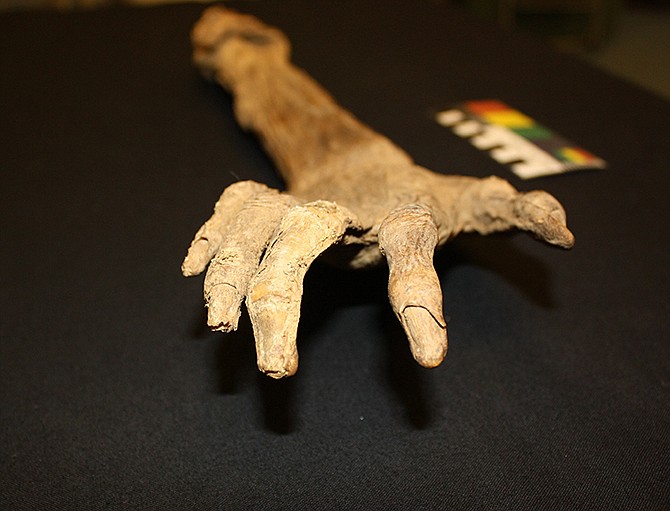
(347, 187)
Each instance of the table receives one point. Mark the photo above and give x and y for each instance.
(114, 395)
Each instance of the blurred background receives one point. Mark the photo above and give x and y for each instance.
(629, 38)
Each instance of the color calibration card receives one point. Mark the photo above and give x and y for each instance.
(514, 139)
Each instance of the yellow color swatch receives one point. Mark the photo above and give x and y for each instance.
(509, 118)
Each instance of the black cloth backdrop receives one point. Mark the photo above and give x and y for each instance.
(114, 395)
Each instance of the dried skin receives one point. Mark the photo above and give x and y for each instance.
(407, 238)
(347, 187)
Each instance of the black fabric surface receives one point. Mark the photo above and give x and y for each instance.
(114, 395)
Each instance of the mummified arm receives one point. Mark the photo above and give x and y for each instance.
(347, 187)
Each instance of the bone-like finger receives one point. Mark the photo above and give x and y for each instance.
(407, 238)
(493, 205)
(541, 214)
(207, 240)
(275, 292)
(239, 255)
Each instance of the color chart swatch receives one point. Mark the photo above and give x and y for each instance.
(513, 138)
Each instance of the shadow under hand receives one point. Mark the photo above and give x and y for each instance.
(412, 384)
(277, 398)
(408, 381)
(235, 357)
(498, 254)
(235, 363)
(329, 289)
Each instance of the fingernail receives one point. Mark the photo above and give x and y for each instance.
(557, 233)
(427, 336)
(224, 308)
(276, 351)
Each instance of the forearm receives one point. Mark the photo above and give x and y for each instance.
(306, 133)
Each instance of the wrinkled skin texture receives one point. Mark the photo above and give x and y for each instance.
(348, 189)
